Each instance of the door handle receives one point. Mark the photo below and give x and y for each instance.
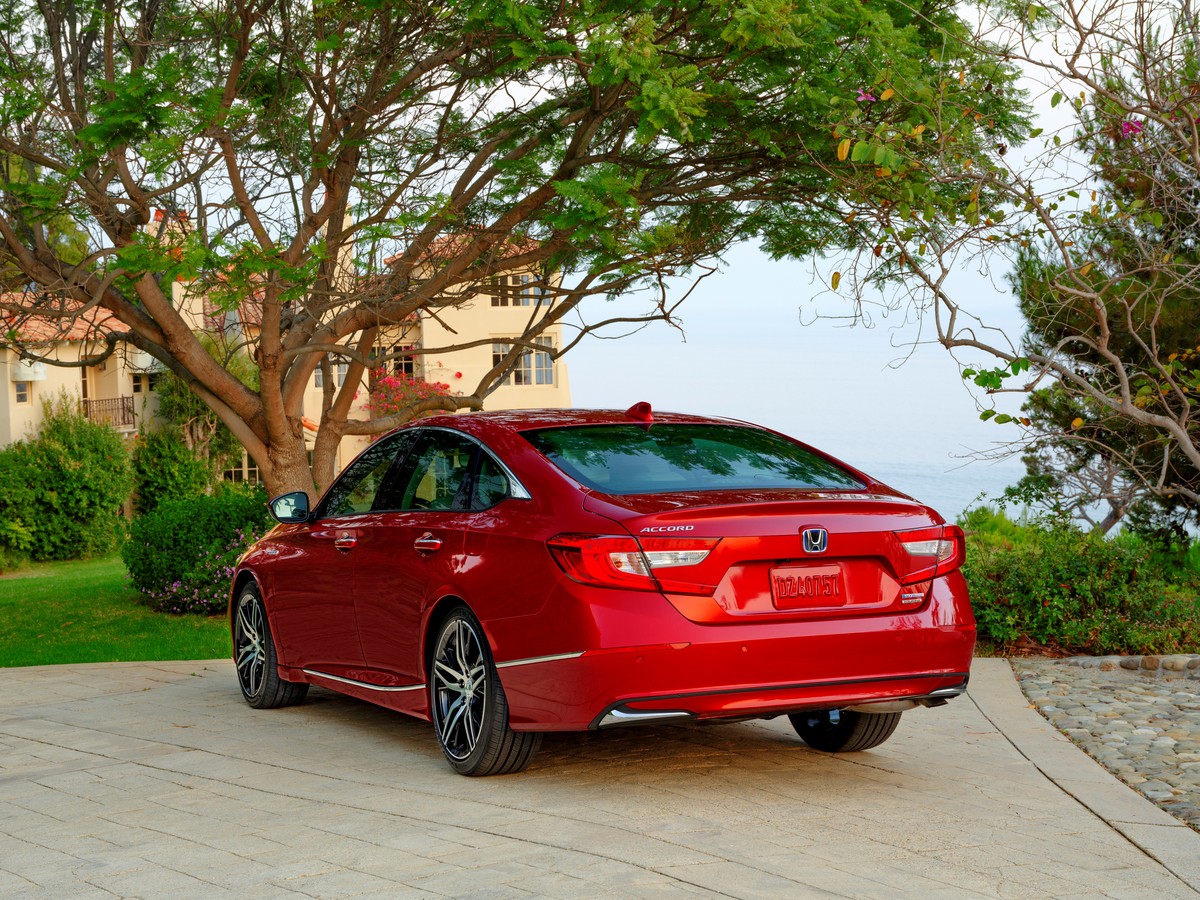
(427, 543)
(345, 542)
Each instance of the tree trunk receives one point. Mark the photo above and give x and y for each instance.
(1115, 515)
(287, 468)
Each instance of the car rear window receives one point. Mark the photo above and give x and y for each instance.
(634, 459)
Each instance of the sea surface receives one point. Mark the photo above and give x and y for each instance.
(949, 487)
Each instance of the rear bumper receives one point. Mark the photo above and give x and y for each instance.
(685, 670)
(883, 693)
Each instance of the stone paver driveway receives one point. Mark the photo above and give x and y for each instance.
(155, 780)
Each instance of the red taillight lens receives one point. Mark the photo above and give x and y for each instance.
(932, 552)
(621, 562)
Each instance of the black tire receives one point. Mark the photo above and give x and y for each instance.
(844, 730)
(254, 656)
(467, 703)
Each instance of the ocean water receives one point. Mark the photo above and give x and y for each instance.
(949, 487)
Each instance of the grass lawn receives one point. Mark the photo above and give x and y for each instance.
(77, 612)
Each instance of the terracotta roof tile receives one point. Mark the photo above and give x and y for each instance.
(448, 245)
(92, 325)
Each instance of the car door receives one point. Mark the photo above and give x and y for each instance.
(415, 542)
(312, 598)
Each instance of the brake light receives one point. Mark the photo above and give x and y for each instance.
(623, 562)
(932, 552)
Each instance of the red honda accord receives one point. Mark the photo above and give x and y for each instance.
(509, 573)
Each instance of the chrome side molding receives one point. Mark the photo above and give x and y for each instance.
(618, 716)
(388, 689)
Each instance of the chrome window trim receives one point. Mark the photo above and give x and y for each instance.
(537, 659)
(517, 491)
(362, 684)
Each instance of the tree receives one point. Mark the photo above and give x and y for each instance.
(1077, 460)
(345, 165)
(61, 233)
(202, 433)
(1100, 234)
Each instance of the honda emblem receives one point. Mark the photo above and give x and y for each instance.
(816, 540)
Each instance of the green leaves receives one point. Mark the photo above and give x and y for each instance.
(136, 106)
(993, 379)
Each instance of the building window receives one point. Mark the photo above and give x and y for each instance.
(83, 383)
(532, 367)
(142, 382)
(516, 290)
(24, 391)
(543, 362)
(243, 470)
(339, 375)
(404, 365)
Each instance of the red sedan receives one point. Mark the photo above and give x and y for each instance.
(509, 573)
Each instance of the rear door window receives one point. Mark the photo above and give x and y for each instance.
(634, 459)
(435, 476)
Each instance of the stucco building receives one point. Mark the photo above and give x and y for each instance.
(121, 391)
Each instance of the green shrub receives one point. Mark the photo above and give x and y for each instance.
(204, 588)
(1060, 586)
(992, 528)
(61, 493)
(165, 469)
(184, 544)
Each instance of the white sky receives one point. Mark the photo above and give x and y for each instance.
(757, 349)
(846, 389)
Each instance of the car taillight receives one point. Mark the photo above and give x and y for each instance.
(932, 552)
(623, 562)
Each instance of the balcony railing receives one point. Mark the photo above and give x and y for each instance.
(117, 412)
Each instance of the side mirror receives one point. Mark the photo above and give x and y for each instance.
(290, 508)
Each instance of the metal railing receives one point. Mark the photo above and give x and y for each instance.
(117, 412)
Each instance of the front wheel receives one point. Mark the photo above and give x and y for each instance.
(844, 730)
(469, 710)
(254, 656)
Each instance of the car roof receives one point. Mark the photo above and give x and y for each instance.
(530, 419)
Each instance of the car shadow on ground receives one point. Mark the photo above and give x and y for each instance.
(678, 748)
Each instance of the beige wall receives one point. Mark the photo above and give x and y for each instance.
(110, 380)
(475, 320)
(478, 320)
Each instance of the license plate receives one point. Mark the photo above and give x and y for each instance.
(798, 587)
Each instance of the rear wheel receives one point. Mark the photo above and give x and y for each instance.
(254, 656)
(469, 710)
(844, 730)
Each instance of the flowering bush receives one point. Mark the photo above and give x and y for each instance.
(392, 394)
(180, 555)
(204, 588)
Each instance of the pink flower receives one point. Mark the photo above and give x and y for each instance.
(865, 96)
(1129, 128)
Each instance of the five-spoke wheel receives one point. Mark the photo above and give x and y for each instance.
(254, 656)
(844, 730)
(467, 703)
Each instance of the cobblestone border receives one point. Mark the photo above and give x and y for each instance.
(1180, 665)
(1138, 716)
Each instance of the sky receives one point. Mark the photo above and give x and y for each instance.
(757, 347)
(763, 342)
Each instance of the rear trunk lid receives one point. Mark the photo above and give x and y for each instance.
(782, 554)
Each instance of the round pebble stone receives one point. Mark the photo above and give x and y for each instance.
(1139, 716)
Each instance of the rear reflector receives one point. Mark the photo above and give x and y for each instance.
(621, 562)
(932, 552)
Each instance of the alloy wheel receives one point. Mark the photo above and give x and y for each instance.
(249, 645)
(460, 687)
